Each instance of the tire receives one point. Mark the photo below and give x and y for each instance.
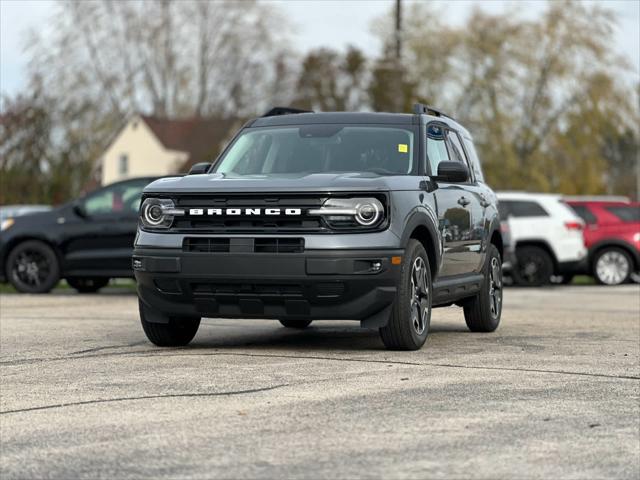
(87, 284)
(483, 312)
(176, 332)
(535, 267)
(410, 319)
(33, 267)
(300, 324)
(612, 266)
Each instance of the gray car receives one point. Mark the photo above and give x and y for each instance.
(374, 217)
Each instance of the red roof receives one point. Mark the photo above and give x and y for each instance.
(201, 138)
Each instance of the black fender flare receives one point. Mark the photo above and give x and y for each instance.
(422, 217)
(494, 226)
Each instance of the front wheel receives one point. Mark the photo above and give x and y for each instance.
(165, 331)
(87, 284)
(32, 267)
(410, 319)
(612, 266)
(482, 312)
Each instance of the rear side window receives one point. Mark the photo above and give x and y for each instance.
(522, 208)
(626, 213)
(584, 213)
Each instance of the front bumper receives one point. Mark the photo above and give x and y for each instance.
(316, 284)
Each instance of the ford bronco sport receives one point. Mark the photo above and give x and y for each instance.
(373, 217)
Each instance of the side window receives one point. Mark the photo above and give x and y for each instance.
(436, 147)
(457, 152)
(503, 210)
(584, 213)
(523, 208)
(123, 164)
(473, 159)
(628, 214)
(122, 198)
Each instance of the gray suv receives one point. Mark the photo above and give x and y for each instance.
(374, 217)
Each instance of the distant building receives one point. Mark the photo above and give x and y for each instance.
(156, 146)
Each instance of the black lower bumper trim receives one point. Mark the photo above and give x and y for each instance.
(354, 285)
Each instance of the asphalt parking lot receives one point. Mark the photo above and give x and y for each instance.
(554, 393)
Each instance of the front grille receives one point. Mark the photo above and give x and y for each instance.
(250, 223)
(203, 244)
(278, 245)
(247, 289)
(243, 245)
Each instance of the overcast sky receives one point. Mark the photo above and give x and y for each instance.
(333, 23)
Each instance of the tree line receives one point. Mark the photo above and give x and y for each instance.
(551, 106)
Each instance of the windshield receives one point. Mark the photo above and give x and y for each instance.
(320, 148)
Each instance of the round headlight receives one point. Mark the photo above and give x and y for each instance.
(340, 213)
(158, 212)
(368, 213)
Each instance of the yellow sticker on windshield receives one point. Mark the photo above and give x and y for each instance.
(403, 147)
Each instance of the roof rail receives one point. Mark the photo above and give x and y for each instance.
(275, 111)
(421, 108)
(597, 198)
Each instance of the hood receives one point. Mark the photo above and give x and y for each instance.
(312, 182)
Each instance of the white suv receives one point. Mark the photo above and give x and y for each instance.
(546, 234)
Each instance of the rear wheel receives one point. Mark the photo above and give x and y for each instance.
(32, 267)
(482, 312)
(87, 284)
(410, 319)
(534, 268)
(612, 266)
(300, 324)
(165, 331)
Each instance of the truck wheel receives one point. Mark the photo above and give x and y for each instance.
(87, 284)
(176, 332)
(612, 266)
(534, 268)
(32, 267)
(296, 323)
(482, 312)
(408, 326)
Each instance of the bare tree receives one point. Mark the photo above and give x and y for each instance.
(165, 57)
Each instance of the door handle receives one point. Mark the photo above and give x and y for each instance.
(463, 201)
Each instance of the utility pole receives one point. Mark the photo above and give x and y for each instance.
(398, 30)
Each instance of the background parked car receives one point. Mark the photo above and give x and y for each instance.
(546, 234)
(11, 211)
(612, 235)
(87, 241)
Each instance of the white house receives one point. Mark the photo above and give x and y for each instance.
(149, 146)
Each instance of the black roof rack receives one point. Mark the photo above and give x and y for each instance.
(419, 108)
(275, 111)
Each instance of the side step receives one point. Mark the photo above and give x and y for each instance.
(449, 290)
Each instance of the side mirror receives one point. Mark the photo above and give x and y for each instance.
(199, 168)
(79, 210)
(452, 172)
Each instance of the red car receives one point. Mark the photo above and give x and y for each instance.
(612, 235)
